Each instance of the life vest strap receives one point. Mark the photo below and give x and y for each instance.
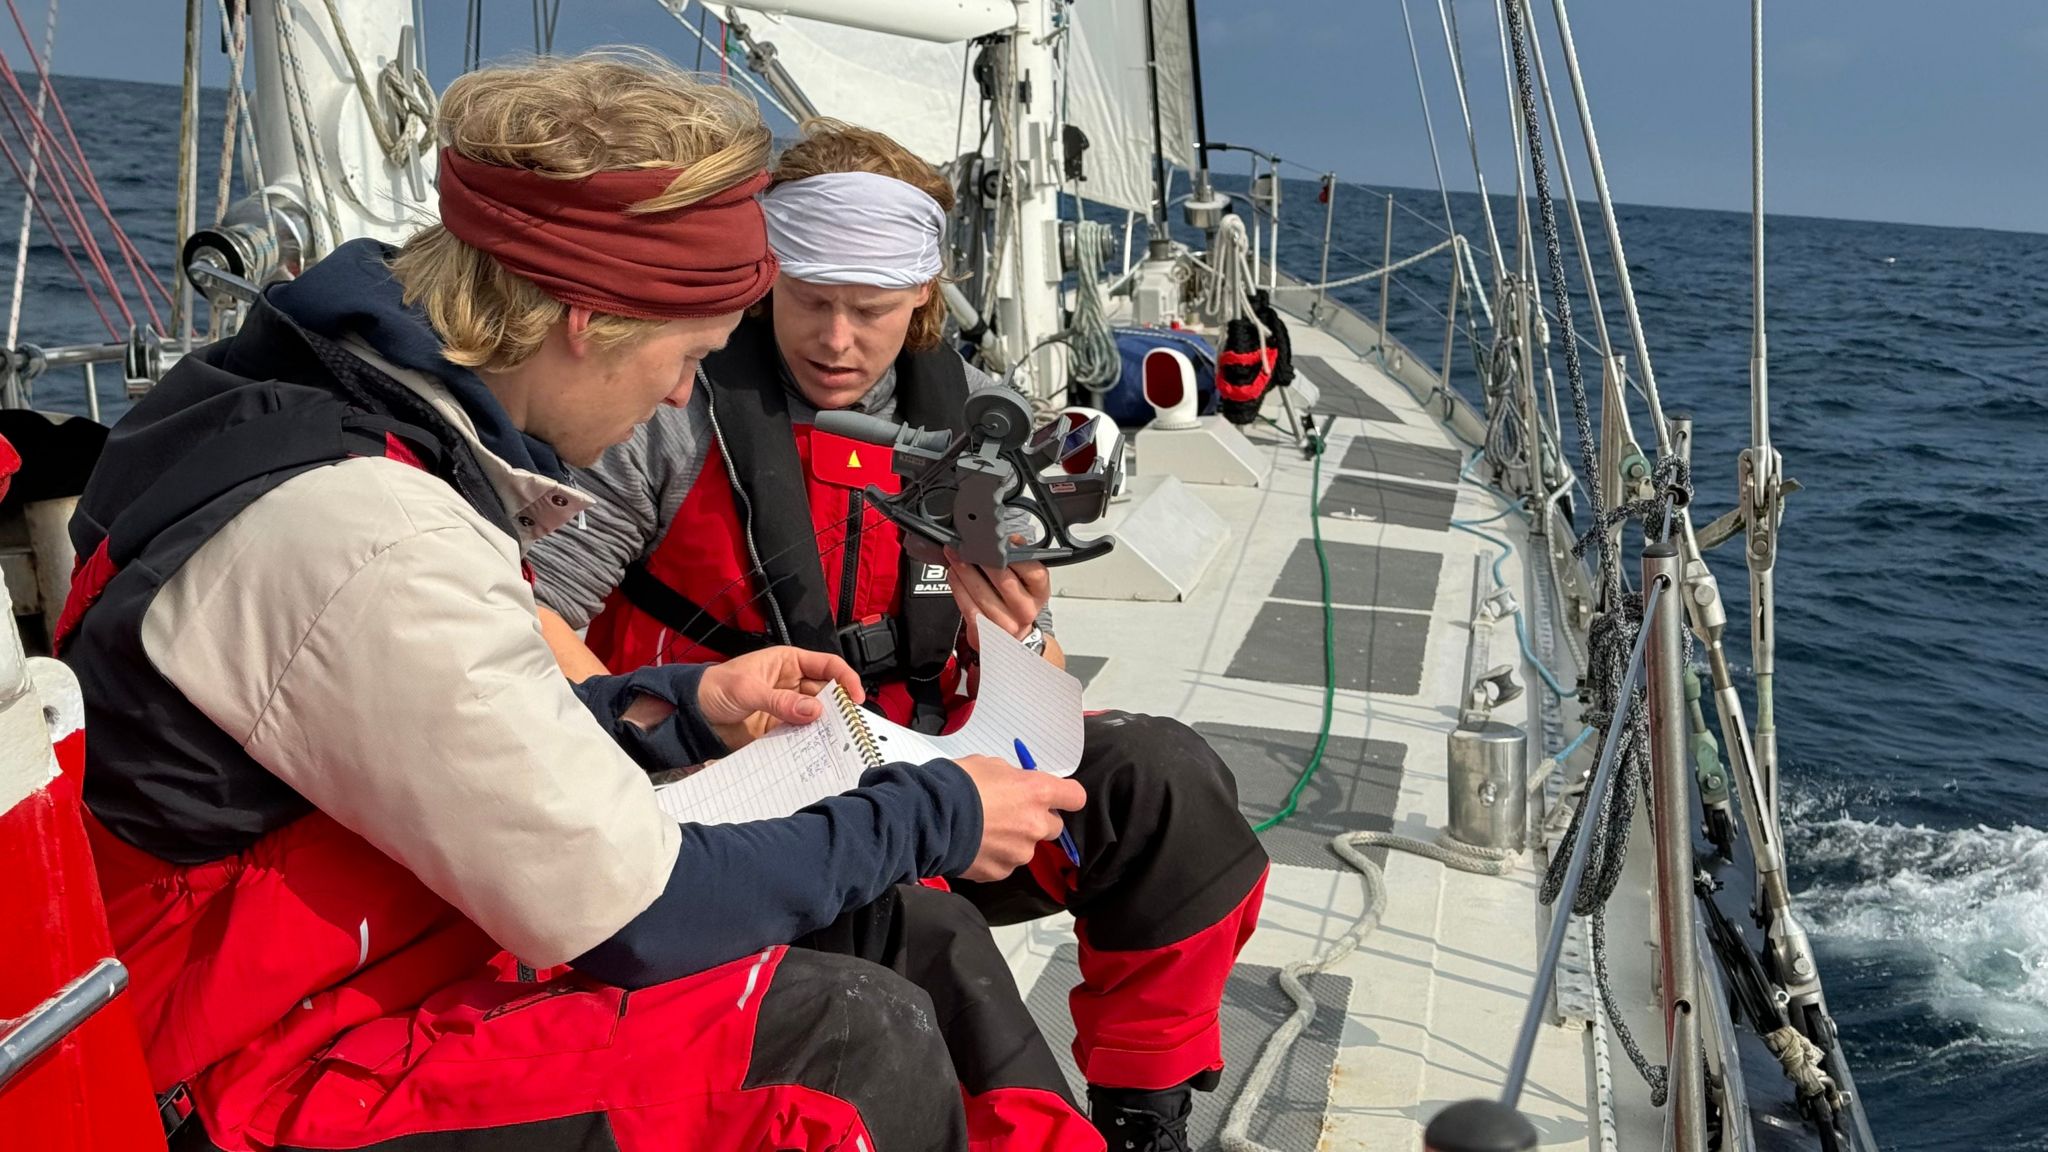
(646, 591)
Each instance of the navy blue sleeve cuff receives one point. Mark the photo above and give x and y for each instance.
(677, 742)
(739, 888)
(959, 805)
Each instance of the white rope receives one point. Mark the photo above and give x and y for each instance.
(1448, 851)
(305, 135)
(238, 44)
(1226, 292)
(1801, 1060)
(28, 198)
(1094, 363)
(1389, 270)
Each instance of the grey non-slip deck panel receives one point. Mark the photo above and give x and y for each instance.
(1362, 575)
(1414, 461)
(1377, 651)
(1290, 1116)
(1388, 502)
(1355, 789)
(1339, 395)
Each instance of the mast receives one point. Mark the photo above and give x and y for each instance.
(1028, 283)
(317, 133)
(1201, 112)
(1158, 136)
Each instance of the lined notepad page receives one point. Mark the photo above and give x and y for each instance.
(1021, 698)
(782, 772)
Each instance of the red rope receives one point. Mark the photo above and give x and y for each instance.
(57, 238)
(73, 215)
(91, 181)
(137, 267)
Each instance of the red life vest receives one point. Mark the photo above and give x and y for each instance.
(775, 543)
(256, 929)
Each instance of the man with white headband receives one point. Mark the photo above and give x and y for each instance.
(732, 524)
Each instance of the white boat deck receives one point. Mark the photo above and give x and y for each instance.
(1437, 992)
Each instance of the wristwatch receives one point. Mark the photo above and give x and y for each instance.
(1034, 640)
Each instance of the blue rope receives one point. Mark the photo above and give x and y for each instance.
(1507, 549)
(1568, 749)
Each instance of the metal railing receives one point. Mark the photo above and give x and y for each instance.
(1656, 659)
(24, 1040)
(143, 358)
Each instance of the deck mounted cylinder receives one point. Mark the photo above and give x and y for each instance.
(1489, 785)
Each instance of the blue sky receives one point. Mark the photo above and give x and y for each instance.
(1876, 109)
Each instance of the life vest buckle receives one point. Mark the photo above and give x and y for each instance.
(874, 647)
(174, 1107)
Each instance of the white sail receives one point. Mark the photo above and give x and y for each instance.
(907, 88)
(911, 89)
(1110, 96)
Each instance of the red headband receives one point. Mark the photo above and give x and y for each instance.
(576, 242)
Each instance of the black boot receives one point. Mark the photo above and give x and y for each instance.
(1137, 1120)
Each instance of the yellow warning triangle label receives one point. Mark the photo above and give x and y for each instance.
(853, 459)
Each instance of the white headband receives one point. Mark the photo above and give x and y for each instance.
(855, 228)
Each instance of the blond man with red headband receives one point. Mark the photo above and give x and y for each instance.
(383, 879)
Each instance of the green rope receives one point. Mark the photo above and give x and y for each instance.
(1315, 759)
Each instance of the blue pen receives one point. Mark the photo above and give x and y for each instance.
(1025, 762)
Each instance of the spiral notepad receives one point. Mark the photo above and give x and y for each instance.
(857, 726)
(1022, 698)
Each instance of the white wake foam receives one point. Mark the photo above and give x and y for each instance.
(1972, 901)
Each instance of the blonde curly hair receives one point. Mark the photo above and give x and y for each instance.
(569, 117)
(828, 145)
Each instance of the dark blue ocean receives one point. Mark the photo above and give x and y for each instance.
(1909, 373)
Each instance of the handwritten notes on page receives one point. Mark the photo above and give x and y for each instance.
(1021, 698)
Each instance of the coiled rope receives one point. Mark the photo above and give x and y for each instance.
(1094, 364)
(1226, 292)
(1448, 851)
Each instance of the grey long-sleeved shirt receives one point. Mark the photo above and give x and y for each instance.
(639, 485)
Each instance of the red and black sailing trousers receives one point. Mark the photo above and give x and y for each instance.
(791, 1049)
(1166, 894)
(897, 1029)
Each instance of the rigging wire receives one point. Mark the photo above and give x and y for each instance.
(473, 37)
(74, 161)
(68, 205)
(1447, 14)
(1428, 123)
(236, 33)
(64, 246)
(1613, 633)
(305, 134)
(744, 76)
(28, 195)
